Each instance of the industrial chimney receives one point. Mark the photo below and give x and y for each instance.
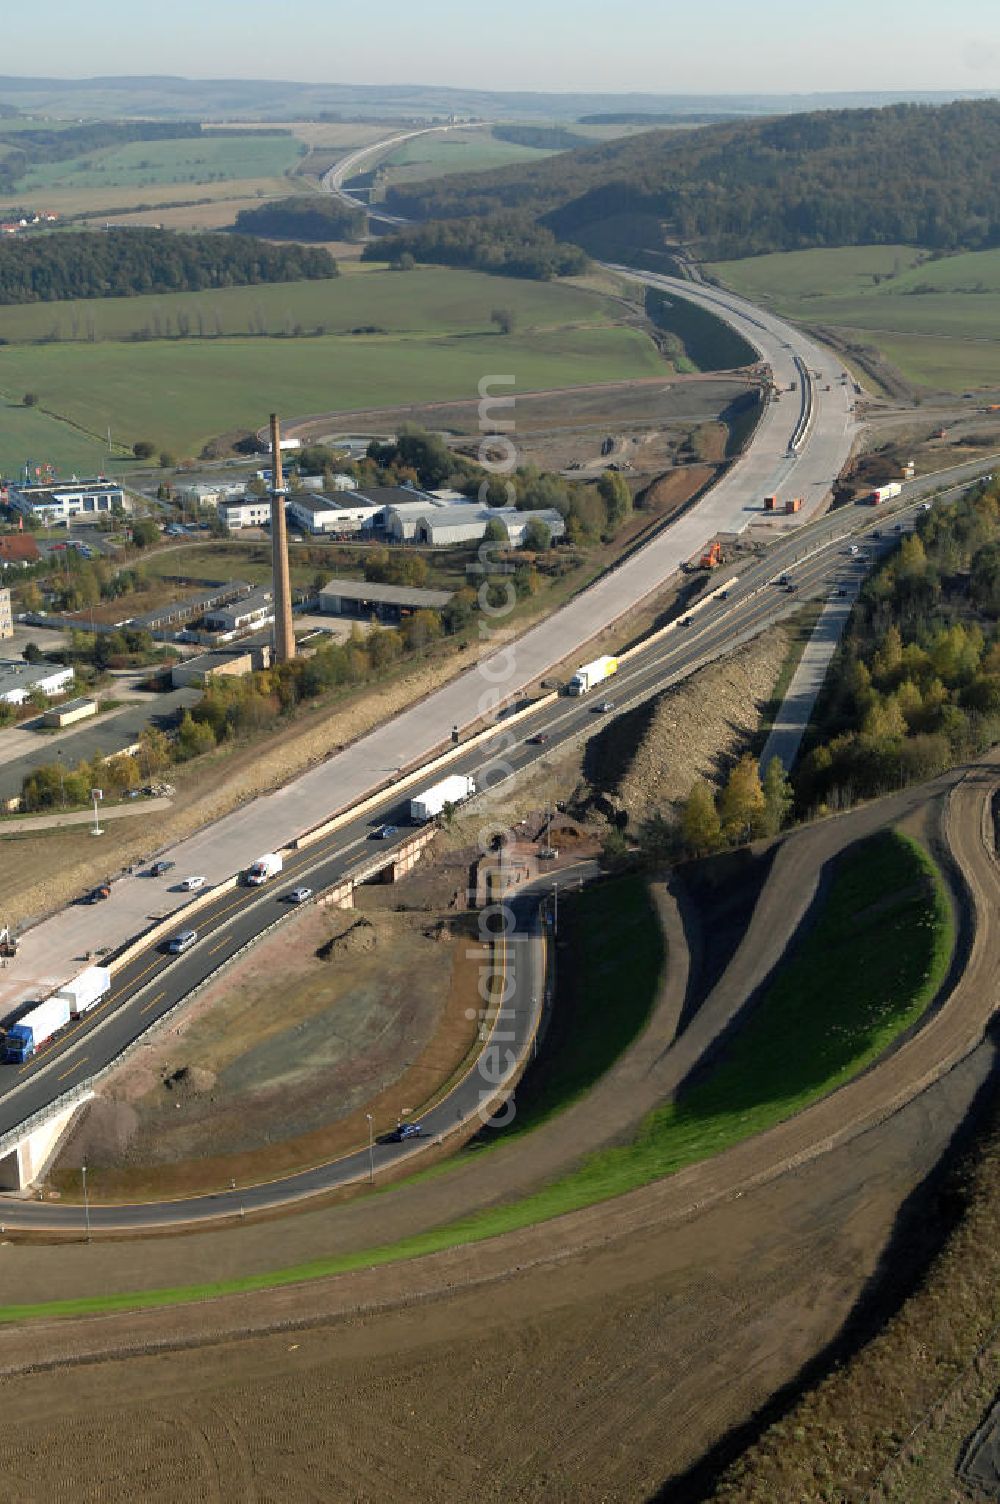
(284, 636)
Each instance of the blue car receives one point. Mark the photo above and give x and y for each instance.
(385, 832)
(403, 1131)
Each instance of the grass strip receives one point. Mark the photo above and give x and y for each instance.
(864, 973)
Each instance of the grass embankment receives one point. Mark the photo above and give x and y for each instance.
(933, 320)
(611, 960)
(869, 967)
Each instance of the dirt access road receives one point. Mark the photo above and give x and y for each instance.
(591, 1358)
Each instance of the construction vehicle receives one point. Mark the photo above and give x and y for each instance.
(712, 557)
(8, 943)
(589, 674)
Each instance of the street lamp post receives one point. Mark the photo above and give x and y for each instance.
(555, 908)
(62, 778)
(86, 1201)
(371, 1149)
(96, 794)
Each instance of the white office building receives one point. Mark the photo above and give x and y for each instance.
(322, 514)
(18, 679)
(68, 501)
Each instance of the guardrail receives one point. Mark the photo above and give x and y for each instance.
(806, 405)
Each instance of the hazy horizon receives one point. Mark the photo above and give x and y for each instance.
(736, 49)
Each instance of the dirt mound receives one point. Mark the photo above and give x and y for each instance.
(357, 941)
(189, 1081)
(698, 729)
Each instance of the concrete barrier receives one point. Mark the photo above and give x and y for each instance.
(426, 770)
(163, 927)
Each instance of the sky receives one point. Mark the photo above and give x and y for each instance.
(659, 46)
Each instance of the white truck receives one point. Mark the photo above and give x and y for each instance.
(590, 674)
(38, 1025)
(886, 493)
(86, 990)
(263, 869)
(452, 790)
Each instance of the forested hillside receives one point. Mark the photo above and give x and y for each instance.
(916, 174)
(123, 263)
(916, 684)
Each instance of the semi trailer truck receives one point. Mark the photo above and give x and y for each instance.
(39, 1024)
(86, 990)
(263, 869)
(432, 802)
(589, 674)
(886, 493)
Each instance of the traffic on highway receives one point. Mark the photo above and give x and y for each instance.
(806, 445)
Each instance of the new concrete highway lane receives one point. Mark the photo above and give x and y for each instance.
(474, 1097)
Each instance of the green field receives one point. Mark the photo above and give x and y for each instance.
(455, 151)
(26, 434)
(142, 164)
(428, 300)
(938, 321)
(181, 393)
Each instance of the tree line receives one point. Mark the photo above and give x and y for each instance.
(311, 218)
(511, 245)
(917, 174)
(128, 263)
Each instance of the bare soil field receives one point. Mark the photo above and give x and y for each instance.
(250, 1081)
(599, 1377)
(556, 429)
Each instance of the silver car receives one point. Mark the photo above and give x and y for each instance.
(183, 940)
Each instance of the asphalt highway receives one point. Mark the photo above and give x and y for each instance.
(151, 984)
